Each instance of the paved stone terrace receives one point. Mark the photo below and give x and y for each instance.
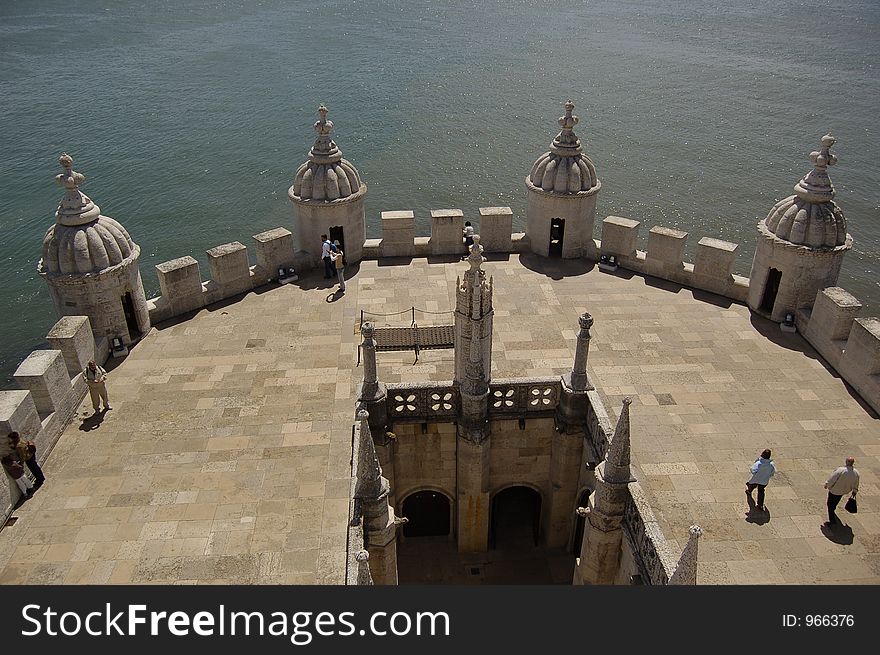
(225, 458)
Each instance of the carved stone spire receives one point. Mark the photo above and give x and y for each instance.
(325, 150)
(473, 310)
(566, 143)
(686, 571)
(578, 380)
(616, 467)
(370, 483)
(816, 186)
(76, 208)
(474, 293)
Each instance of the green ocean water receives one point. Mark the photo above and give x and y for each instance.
(189, 118)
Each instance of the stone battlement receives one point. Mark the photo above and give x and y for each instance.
(850, 344)
(50, 391)
(183, 289)
(231, 274)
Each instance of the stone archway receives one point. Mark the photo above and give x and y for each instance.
(429, 513)
(515, 520)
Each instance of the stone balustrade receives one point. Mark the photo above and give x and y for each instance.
(652, 553)
(432, 402)
(357, 570)
(51, 389)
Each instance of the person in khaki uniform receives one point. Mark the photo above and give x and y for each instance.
(96, 378)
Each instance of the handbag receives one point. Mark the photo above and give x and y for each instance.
(851, 506)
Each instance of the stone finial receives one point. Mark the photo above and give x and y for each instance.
(75, 208)
(568, 121)
(322, 126)
(686, 570)
(69, 179)
(816, 186)
(566, 142)
(616, 467)
(370, 483)
(577, 379)
(325, 150)
(586, 322)
(367, 330)
(476, 259)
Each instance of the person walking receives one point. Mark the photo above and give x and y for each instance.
(326, 249)
(336, 255)
(27, 453)
(762, 470)
(96, 378)
(13, 466)
(844, 480)
(468, 234)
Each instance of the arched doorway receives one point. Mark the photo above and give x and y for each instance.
(515, 521)
(338, 234)
(557, 233)
(580, 523)
(771, 288)
(428, 513)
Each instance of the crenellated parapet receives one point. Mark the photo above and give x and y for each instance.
(51, 388)
(182, 288)
(664, 258)
(849, 343)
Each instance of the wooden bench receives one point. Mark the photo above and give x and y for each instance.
(415, 338)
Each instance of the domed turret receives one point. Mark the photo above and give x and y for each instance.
(328, 197)
(801, 243)
(91, 264)
(562, 188)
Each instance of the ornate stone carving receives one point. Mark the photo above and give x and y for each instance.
(686, 571)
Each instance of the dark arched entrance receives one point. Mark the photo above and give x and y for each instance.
(580, 523)
(557, 234)
(428, 514)
(516, 518)
(771, 288)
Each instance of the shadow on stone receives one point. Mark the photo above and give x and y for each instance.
(394, 261)
(712, 298)
(556, 269)
(92, 422)
(757, 516)
(336, 295)
(839, 533)
(660, 283)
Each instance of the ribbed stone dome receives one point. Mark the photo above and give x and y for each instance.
(82, 241)
(326, 175)
(810, 217)
(565, 168)
(89, 248)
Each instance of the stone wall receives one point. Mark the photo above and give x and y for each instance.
(850, 344)
(51, 389)
(664, 258)
(182, 288)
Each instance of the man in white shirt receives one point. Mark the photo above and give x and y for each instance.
(843, 481)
